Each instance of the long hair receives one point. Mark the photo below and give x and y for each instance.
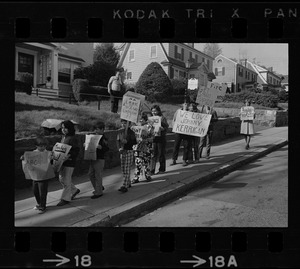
(158, 109)
(70, 126)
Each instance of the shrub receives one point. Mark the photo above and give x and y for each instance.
(266, 99)
(81, 87)
(154, 83)
(98, 74)
(24, 82)
(178, 85)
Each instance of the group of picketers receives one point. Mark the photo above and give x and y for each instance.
(141, 143)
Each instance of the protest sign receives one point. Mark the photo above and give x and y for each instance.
(36, 165)
(90, 147)
(132, 104)
(247, 113)
(191, 123)
(193, 84)
(60, 152)
(156, 122)
(140, 132)
(209, 94)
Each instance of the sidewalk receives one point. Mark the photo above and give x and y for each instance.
(114, 207)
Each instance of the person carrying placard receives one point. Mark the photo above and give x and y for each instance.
(40, 185)
(114, 89)
(207, 139)
(96, 166)
(159, 142)
(181, 137)
(143, 148)
(247, 127)
(65, 174)
(125, 141)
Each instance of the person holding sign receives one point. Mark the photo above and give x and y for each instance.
(247, 116)
(66, 171)
(39, 185)
(159, 142)
(125, 142)
(114, 89)
(181, 137)
(195, 140)
(207, 139)
(143, 149)
(97, 165)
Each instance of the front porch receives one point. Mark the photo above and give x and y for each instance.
(63, 92)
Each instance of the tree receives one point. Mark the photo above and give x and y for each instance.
(154, 83)
(106, 53)
(212, 49)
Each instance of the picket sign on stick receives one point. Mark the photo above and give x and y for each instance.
(132, 104)
(156, 122)
(207, 95)
(191, 123)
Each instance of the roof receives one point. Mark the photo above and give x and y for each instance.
(71, 57)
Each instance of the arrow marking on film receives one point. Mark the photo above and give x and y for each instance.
(197, 262)
(61, 261)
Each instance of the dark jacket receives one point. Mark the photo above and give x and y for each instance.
(131, 140)
(74, 151)
(101, 152)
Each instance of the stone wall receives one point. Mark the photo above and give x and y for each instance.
(224, 128)
(272, 118)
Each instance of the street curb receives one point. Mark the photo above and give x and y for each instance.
(154, 203)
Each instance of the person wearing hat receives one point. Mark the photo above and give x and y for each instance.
(114, 89)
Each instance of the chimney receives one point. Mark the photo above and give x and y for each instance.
(245, 62)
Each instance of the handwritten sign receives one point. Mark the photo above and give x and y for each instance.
(155, 121)
(60, 152)
(191, 123)
(193, 84)
(140, 132)
(36, 165)
(90, 148)
(132, 104)
(209, 94)
(247, 113)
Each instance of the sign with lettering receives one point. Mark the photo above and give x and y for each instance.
(193, 84)
(90, 146)
(36, 165)
(156, 122)
(191, 123)
(247, 113)
(140, 132)
(132, 104)
(209, 94)
(60, 152)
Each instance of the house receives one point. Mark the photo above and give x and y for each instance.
(285, 83)
(236, 75)
(266, 78)
(54, 60)
(178, 60)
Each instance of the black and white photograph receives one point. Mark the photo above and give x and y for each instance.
(151, 134)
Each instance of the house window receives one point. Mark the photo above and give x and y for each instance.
(131, 55)
(181, 74)
(64, 71)
(219, 61)
(153, 51)
(220, 71)
(25, 63)
(207, 64)
(129, 75)
(196, 57)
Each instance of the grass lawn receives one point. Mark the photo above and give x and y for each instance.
(31, 111)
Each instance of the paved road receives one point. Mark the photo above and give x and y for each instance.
(256, 195)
